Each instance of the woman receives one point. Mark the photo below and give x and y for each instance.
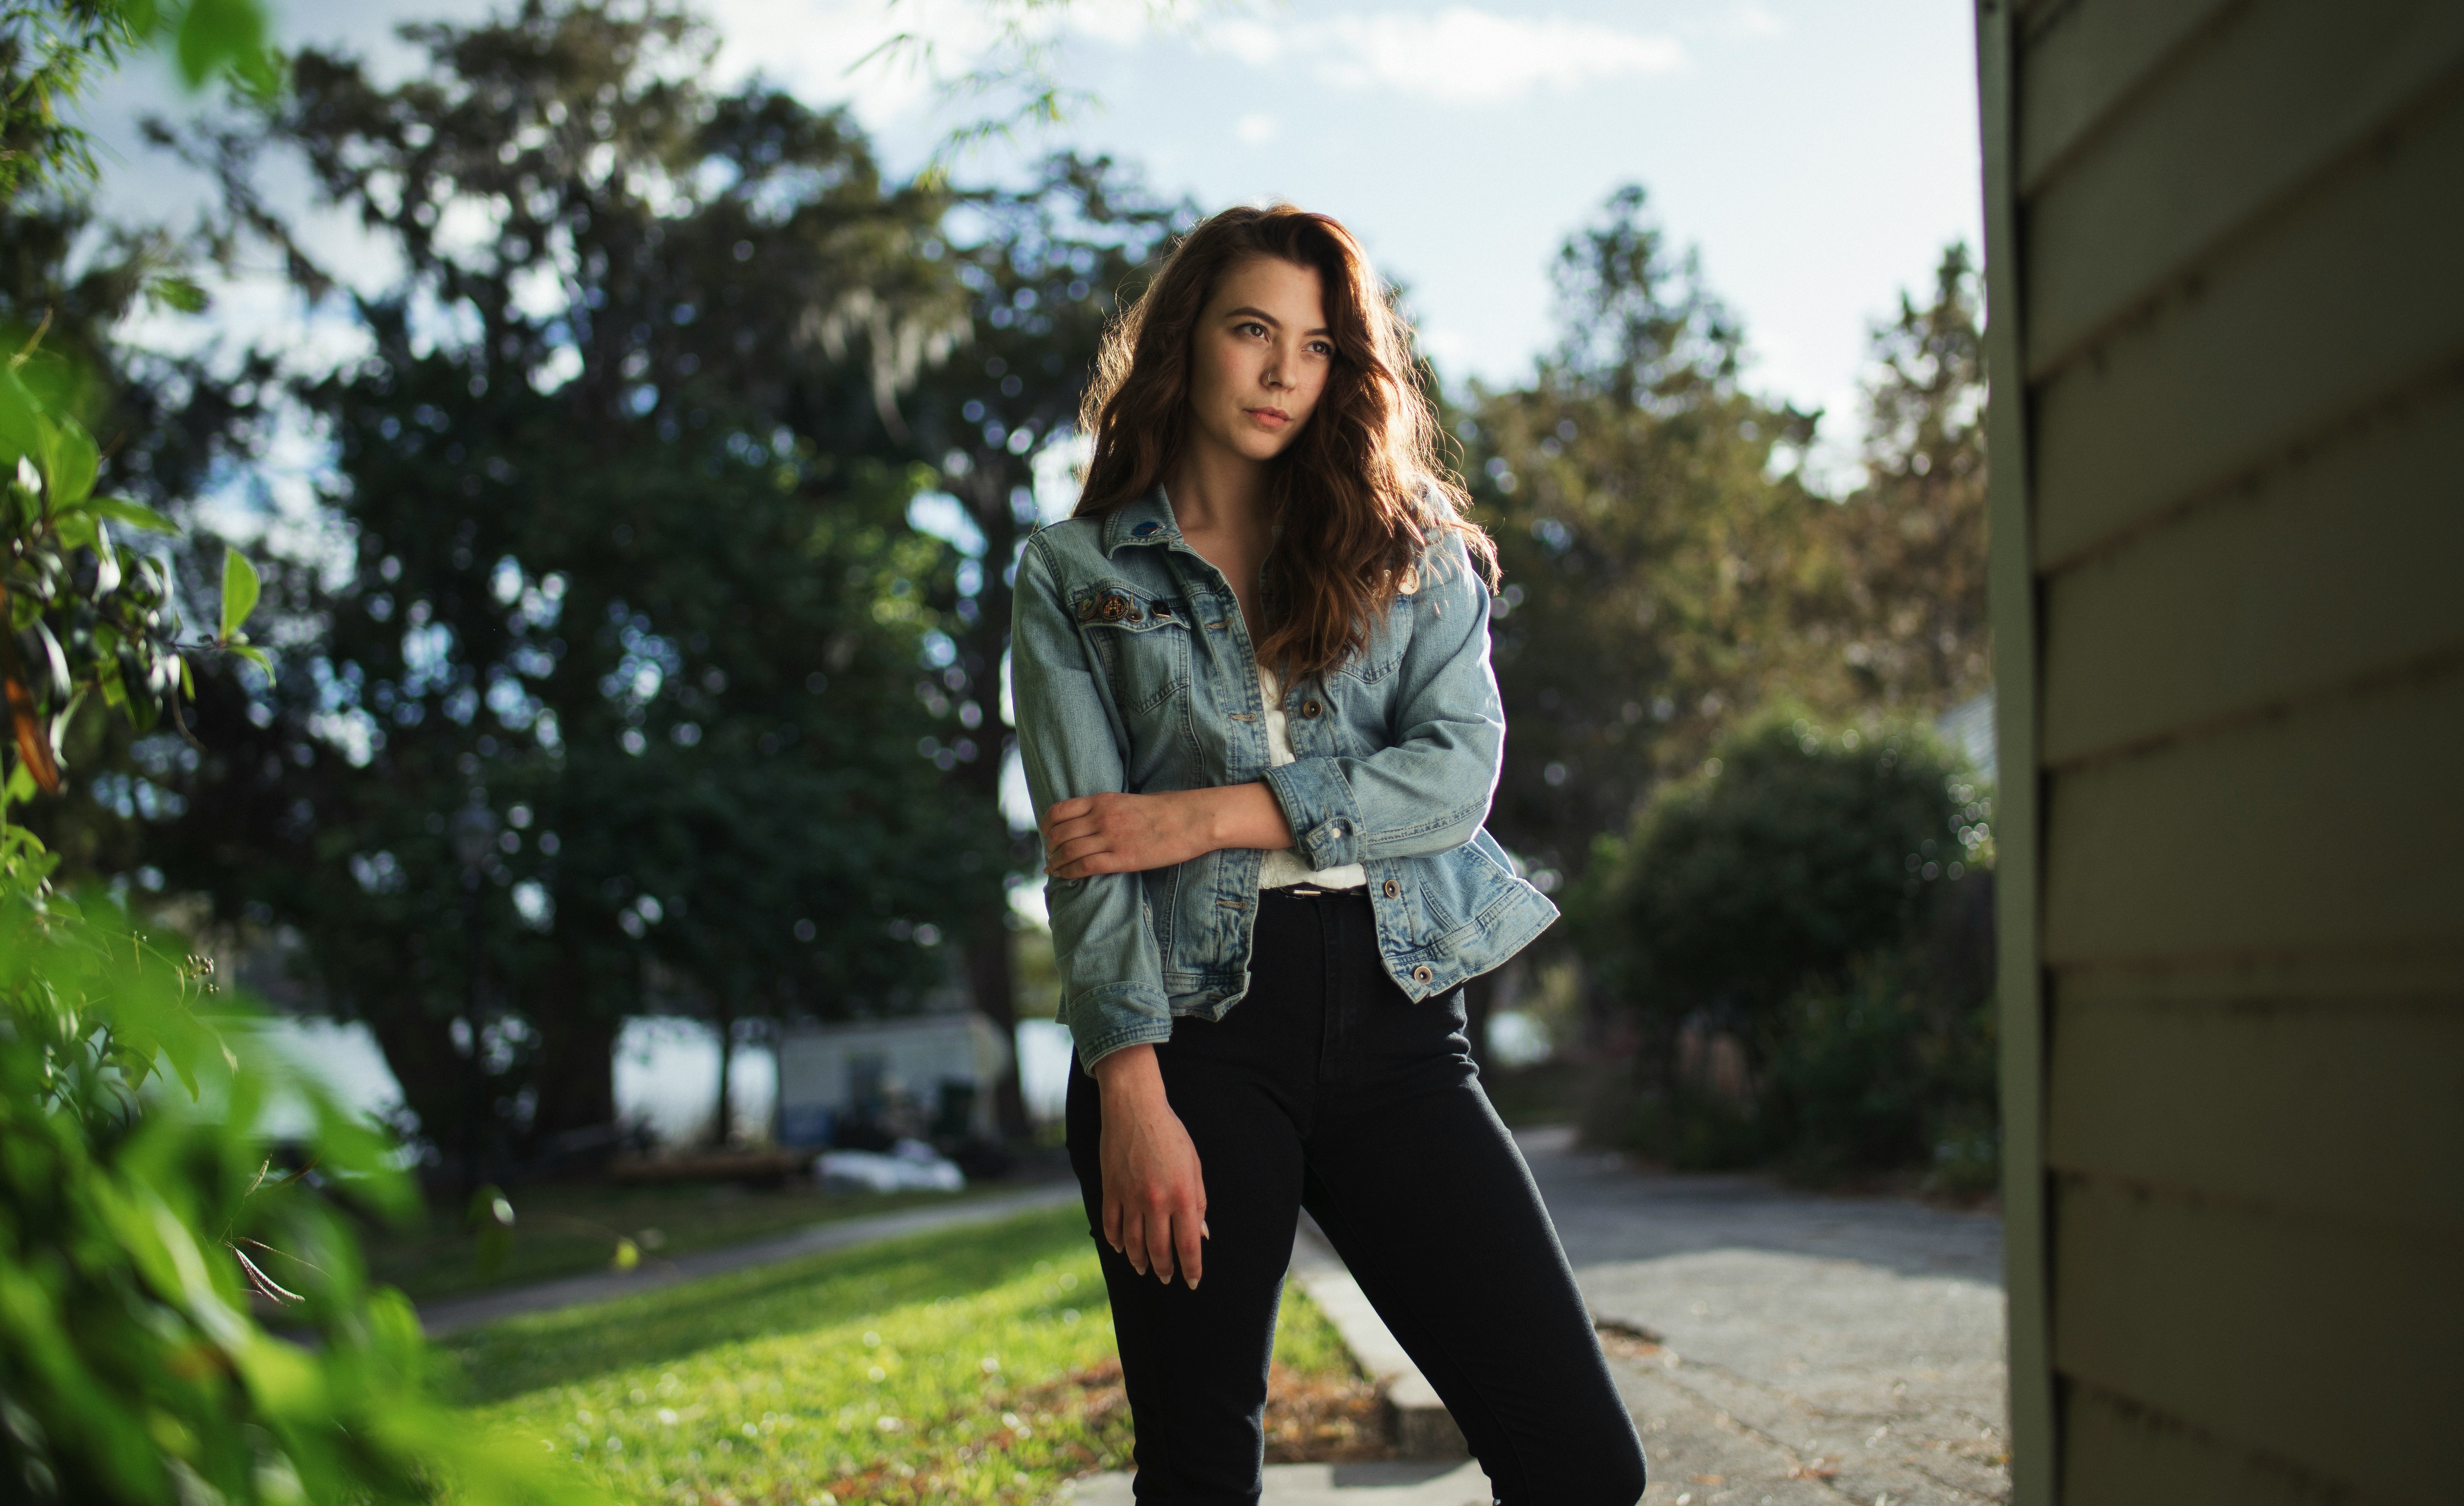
(1255, 706)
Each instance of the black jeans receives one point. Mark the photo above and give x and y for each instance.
(1328, 1089)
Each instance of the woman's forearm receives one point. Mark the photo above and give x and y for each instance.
(1133, 833)
(1244, 816)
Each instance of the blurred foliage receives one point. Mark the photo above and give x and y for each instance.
(144, 1230)
(624, 561)
(1669, 575)
(1822, 900)
(52, 51)
(618, 552)
(1905, 603)
(1653, 552)
(144, 1224)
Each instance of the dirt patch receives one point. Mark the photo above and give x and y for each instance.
(1310, 1419)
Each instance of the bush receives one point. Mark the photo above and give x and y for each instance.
(143, 1224)
(1822, 903)
(1882, 1070)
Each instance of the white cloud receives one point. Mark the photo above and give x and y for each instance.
(1254, 129)
(1754, 21)
(1457, 55)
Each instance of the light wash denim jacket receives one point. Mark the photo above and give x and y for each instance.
(1132, 670)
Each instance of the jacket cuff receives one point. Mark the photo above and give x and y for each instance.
(1317, 805)
(1104, 1019)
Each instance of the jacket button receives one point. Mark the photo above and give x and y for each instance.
(1115, 608)
(1311, 707)
(1421, 974)
(1392, 889)
(1086, 611)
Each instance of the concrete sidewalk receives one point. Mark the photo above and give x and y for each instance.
(487, 1307)
(1816, 1350)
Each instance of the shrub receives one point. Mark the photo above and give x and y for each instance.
(1823, 901)
(143, 1224)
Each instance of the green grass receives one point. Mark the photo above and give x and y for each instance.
(972, 1364)
(570, 1228)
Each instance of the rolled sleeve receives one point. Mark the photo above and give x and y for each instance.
(1430, 790)
(1069, 744)
(1319, 808)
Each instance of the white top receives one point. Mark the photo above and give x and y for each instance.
(1284, 865)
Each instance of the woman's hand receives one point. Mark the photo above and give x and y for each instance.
(1095, 834)
(1154, 1192)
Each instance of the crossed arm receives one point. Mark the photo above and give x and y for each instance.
(1132, 833)
(1155, 1191)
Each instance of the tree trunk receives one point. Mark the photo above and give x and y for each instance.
(418, 1049)
(573, 1069)
(988, 974)
(726, 1110)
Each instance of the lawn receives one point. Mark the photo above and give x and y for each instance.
(971, 1365)
(570, 1228)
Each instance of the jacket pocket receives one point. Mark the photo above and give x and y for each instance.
(1140, 637)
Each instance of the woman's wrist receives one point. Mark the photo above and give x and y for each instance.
(1129, 1077)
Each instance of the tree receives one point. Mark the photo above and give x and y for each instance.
(1907, 607)
(626, 568)
(1046, 270)
(1652, 557)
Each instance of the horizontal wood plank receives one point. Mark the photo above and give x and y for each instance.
(2327, 1346)
(2078, 61)
(2337, 827)
(2330, 311)
(2332, 568)
(2286, 92)
(2117, 1453)
(2346, 1109)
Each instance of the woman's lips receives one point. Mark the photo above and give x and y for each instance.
(1268, 418)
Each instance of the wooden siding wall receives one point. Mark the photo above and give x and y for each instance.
(2229, 301)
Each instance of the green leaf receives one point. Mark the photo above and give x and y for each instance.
(247, 651)
(21, 420)
(240, 591)
(179, 292)
(134, 514)
(221, 35)
(73, 462)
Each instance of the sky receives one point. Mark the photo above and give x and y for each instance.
(1817, 154)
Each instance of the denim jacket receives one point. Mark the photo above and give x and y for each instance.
(1133, 672)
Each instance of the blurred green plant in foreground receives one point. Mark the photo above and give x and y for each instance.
(144, 1225)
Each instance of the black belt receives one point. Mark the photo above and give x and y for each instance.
(1315, 891)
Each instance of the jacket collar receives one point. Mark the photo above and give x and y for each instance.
(1146, 520)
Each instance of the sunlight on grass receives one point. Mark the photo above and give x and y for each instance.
(972, 1364)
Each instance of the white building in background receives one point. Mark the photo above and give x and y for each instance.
(1969, 727)
(928, 1075)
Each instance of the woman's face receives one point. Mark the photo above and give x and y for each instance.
(1260, 357)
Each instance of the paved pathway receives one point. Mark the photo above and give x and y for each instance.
(1818, 1350)
(469, 1312)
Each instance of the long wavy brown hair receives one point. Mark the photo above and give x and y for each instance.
(1360, 495)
